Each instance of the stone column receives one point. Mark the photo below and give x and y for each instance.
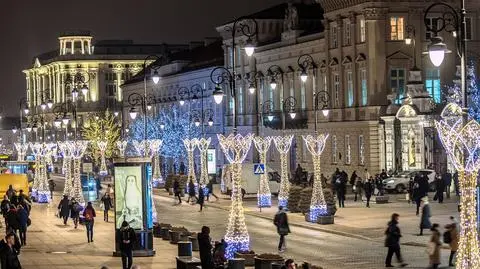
(83, 47)
(72, 43)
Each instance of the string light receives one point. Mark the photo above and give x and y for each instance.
(235, 148)
(121, 145)
(203, 144)
(141, 147)
(67, 167)
(155, 145)
(264, 196)
(283, 144)
(462, 144)
(318, 206)
(77, 150)
(21, 151)
(102, 146)
(190, 145)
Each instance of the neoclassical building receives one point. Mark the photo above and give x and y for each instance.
(383, 91)
(103, 66)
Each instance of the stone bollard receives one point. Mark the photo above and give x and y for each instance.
(236, 263)
(194, 240)
(184, 248)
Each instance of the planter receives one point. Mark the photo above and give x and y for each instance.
(184, 237)
(165, 233)
(174, 237)
(157, 231)
(324, 220)
(381, 199)
(266, 263)
(249, 258)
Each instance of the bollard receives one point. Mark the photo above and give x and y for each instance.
(276, 265)
(184, 248)
(194, 240)
(236, 263)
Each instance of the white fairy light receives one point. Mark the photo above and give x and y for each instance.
(203, 144)
(121, 146)
(142, 147)
(318, 206)
(235, 148)
(66, 167)
(77, 150)
(190, 145)
(283, 144)
(264, 196)
(155, 145)
(102, 146)
(21, 151)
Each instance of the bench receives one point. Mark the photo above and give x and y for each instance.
(187, 262)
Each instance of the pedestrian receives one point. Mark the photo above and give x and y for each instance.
(14, 200)
(177, 190)
(417, 197)
(447, 181)
(4, 207)
(110, 191)
(425, 218)
(24, 201)
(51, 187)
(340, 190)
(191, 191)
(64, 209)
(75, 209)
(9, 253)
(182, 168)
(456, 183)
(205, 248)
(366, 175)
(289, 264)
(383, 175)
(353, 180)
(358, 188)
(451, 238)
(89, 215)
(281, 221)
(392, 241)
(434, 247)
(127, 238)
(10, 192)
(439, 188)
(12, 220)
(23, 221)
(369, 189)
(98, 186)
(210, 190)
(410, 191)
(107, 204)
(201, 198)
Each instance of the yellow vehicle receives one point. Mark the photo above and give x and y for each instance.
(18, 182)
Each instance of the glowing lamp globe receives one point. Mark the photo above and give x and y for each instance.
(57, 122)
(43, 105)
(325, 112)
(293, 115)
(65, 119)
(162, 126)
(35, 128)
(14, 130)
(436, 51)
(156, 77)
(249, 48)
(115, 113)
(273, 84)
(149, 107)
(408, 41)
(251, 88)
(210, 121)
(74, 93)
(197, 122)
(29, 128)
(133, 113)
(26, 110)
(270, 117)
(49, 103)
(218, 94)
(304, 76)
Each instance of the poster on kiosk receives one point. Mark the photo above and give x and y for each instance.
(133, 203)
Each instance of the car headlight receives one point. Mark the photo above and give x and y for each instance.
(390, 181)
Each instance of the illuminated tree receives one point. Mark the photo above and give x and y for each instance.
(101, 128)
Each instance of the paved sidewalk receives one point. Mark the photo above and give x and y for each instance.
(53, 245)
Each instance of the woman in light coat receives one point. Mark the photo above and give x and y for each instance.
(434, 247)
(452, 229)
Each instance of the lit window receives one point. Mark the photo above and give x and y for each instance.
(397, 83)
(348, 150)
(334, 149)
(334, 43)
(347, 32)
(361, 150)
(363, 81)
(336, 88)
(432, 83)
(362, 30)
(396, 28)
(349, 89)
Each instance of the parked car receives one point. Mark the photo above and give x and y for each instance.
(399, 182)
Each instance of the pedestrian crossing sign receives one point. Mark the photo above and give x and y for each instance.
(259, 168)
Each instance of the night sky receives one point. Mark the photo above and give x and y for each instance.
(31, 27)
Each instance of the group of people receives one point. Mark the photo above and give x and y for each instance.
(70, 208)
(204, 192)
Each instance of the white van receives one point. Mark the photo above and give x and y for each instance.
(250, 181)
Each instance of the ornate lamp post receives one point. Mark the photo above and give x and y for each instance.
(237, 237)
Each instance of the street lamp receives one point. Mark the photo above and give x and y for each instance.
(218, 94)
(133, 113)
(275, 72)
(267, 108)
(77, 81)
(288, 105)
(305, 62)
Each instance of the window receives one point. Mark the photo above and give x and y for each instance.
(468, 34)
(111, 90)
(334, 42)
(302, 95)
(396, 28)
(324, 82)
(348, 151)
(334, 149)
(432, 83)
(361, 150)
(432, 23)
(336, 88)
(240, 100)
(230, 57)
(397, 83)
(363, 81)
(349, 89)
(347, 34)
(362, 30)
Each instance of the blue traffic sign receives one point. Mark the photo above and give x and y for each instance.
(259, 168)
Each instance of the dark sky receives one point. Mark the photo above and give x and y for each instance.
(31, 27)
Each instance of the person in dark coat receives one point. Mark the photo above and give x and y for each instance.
(417, 196)
(24, 201)
(456, 183)
(201, 197)
(75, 209)
(392, 242)
(64, 209)
(210, 190)
(182, 168)
(447, 181)
(5, 205)
(12, 220)
(107, 204)
(340, 189)
(369, 189)
(281, 221)
(127, 238)
(439, 188)
(353, 178)
(205, 248)
(191, 191)
(22, 215)
(425, 219)
(89, 215)
(10, 192)
(177, 190)
(9, 253)
(51, 187)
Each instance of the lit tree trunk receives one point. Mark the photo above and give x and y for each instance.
(264, 196)
(67, 162)
(77, 191)
(283, 144)
(203, 145)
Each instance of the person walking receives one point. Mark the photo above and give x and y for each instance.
(191, 191)
(22, 215)
(89, 215)
(127, 238)
(201, 197)
(177, 191)
(358, 188)
(4, 207)
(75, 209)
(451, 238)
(51, 187)
(425, 218)
(10, 192)
(24, 201)
(366, 175)
(353, 179)
(340, 190)
(369, 189)
(64, 209)
(9, 253)
(392, 241)
(447, 181)
(205, 248)
(434, 247)
(281, 221)
(107, 204)
(439, 188)
(210, 190)
(417, 197)
(12, 220)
